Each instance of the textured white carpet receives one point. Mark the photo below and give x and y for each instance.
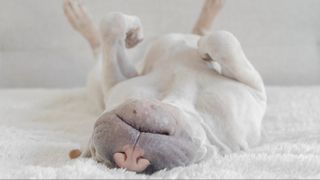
(39, 127)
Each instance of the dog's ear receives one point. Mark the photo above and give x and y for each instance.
(75, 153)
(87, 153)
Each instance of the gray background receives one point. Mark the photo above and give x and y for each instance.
(39, 49)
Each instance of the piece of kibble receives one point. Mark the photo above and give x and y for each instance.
(73, 154)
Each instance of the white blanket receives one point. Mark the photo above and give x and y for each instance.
(39, 127)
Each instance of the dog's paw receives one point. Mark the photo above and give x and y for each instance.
(220, 46)
(204, 50)
(126, 27)
(135, 34)
(80, 21)
(78, 16)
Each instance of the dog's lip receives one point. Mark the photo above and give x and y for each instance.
(143, 129)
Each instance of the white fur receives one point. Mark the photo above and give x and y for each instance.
(223, 109)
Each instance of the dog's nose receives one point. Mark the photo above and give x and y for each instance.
(131, 159)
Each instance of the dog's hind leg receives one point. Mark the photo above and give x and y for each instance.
(80, 20)
(224, 48)
(209, 11)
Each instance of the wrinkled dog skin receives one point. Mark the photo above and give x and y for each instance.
(195, 95)
(152, 127)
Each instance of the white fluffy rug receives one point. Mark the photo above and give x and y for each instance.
(39, 127)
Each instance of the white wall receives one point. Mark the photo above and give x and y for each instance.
(39, 49)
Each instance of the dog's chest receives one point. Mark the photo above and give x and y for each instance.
(178, 74)
(183, 83)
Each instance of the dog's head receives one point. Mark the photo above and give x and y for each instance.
(145, 136)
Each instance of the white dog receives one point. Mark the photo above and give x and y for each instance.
(180, 106)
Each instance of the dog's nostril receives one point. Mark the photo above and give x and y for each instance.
(131, 159)
(124, 155)
(134, 111)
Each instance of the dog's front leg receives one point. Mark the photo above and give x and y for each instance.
(118, 32)
(80, 20)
